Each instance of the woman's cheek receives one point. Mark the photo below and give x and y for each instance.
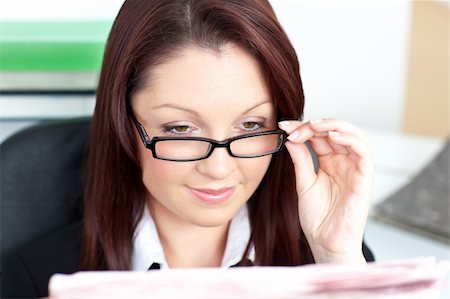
(164, 172)
(254, 169)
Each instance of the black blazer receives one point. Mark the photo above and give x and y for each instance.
(28, 271)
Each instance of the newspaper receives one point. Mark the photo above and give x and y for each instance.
(418, 278)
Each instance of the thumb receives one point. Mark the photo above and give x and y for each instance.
(303, 165)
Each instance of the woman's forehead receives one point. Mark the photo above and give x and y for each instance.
(199, 78)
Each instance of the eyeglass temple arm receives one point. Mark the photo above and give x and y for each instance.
(141, 130)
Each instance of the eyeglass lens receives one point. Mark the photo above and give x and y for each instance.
(255, 146)
(195, 149)
(182, 149)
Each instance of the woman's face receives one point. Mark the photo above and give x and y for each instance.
(203, 93)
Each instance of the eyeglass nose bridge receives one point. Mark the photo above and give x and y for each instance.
(218, 144)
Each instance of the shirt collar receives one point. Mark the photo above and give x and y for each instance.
(147, 248)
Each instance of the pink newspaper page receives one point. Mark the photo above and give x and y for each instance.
(418, 278)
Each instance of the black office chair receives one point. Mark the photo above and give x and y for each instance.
(41, 181)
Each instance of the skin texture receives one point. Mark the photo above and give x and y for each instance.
(226, 95)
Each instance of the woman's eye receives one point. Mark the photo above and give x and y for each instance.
(177, 130)
(252, 126)
(180, 129)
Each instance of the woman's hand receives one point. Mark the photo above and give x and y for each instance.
(334, 202)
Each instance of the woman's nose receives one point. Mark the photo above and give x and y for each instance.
(217, 166)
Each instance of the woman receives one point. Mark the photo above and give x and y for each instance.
(189, 165)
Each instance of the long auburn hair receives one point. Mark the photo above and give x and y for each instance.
(145, 33)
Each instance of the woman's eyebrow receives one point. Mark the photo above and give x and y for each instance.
(256, 106)
(173, 106)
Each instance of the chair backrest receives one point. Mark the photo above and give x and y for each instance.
(41, 180)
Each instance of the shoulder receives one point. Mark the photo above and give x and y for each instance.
(28, 270)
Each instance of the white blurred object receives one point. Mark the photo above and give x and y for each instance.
(58, 10)
(419, 278)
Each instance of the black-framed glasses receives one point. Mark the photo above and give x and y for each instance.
(185, 149)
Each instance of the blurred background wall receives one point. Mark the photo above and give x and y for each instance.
(380, 64)
(426, 109)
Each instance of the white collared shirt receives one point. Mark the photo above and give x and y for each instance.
(147, 248)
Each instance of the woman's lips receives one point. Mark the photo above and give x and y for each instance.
(213, 195)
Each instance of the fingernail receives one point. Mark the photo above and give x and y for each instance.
(284, 124)
(315, 121)
(333, 133)
(294, 135)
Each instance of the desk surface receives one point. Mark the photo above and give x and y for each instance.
(398, 157)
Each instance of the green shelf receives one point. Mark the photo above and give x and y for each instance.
(52, 46)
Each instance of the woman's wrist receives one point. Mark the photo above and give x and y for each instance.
(351, 257)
